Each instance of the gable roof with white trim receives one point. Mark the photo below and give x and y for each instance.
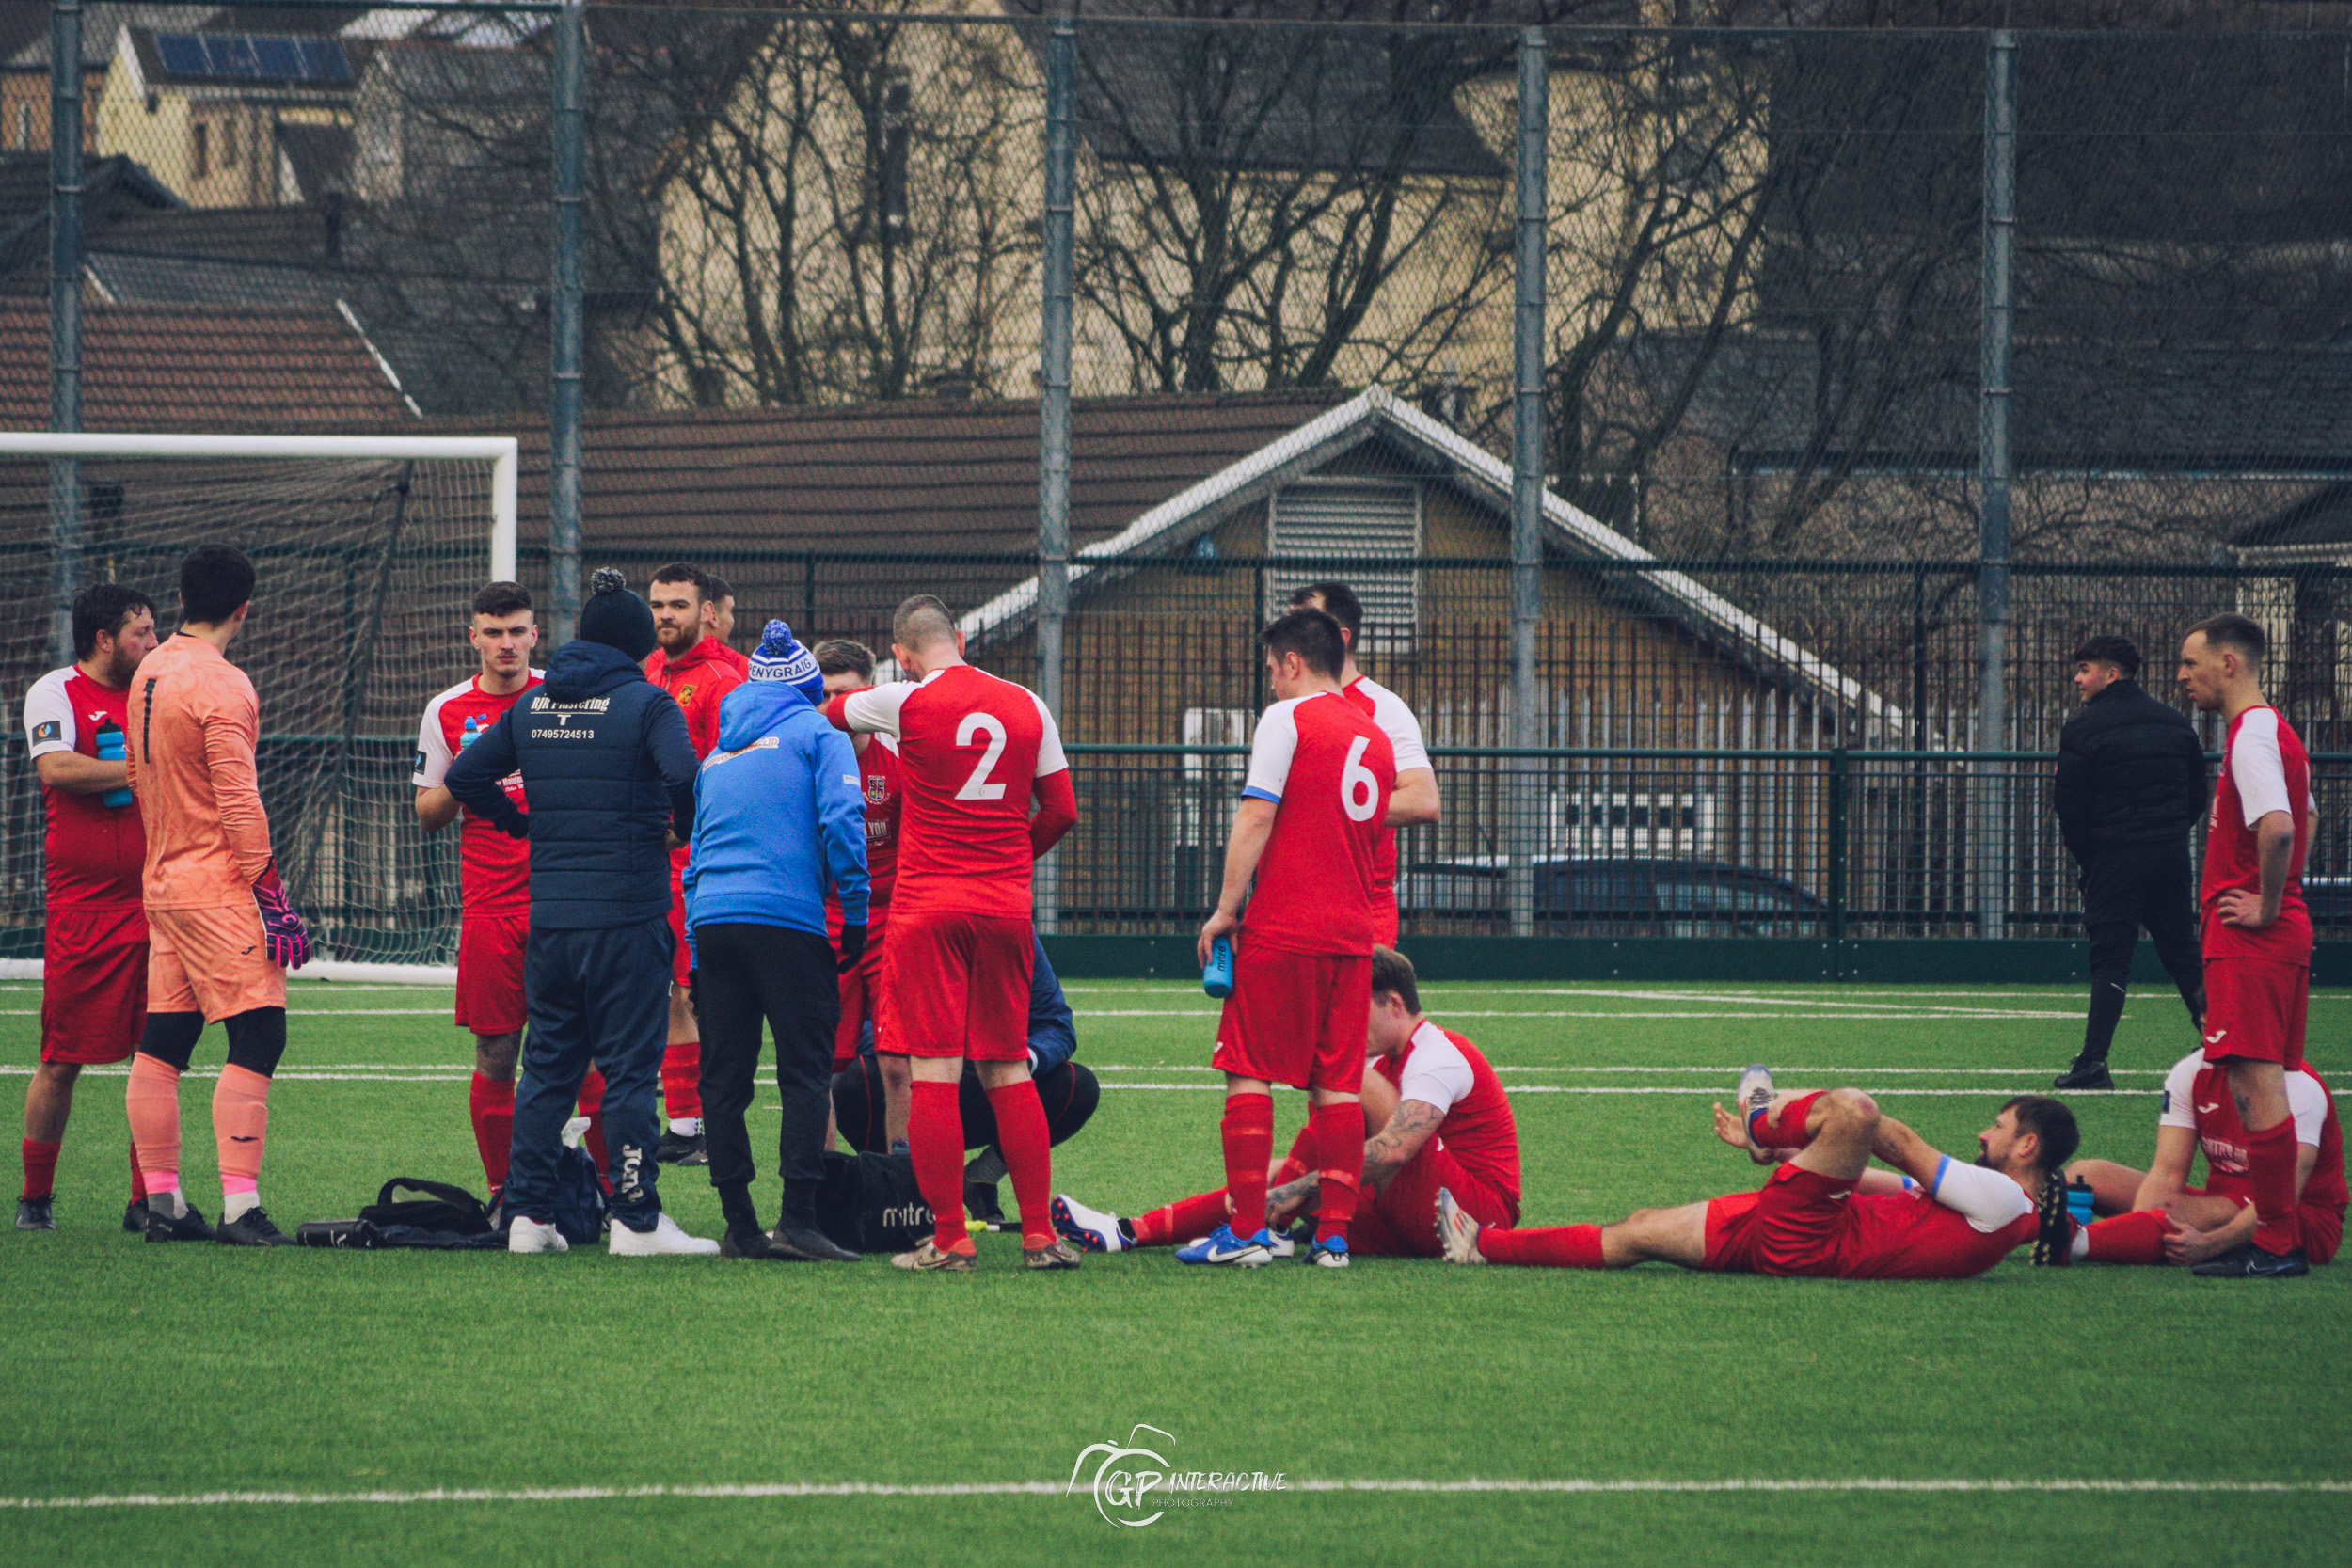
(1377, 412)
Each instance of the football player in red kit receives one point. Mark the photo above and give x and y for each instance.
(697, 667)
(848, 667)
(2157, 1217)
(1308, 831)
(974, 753)
(1437, 1120)
(2254, 929)
(719, 622)
(493, 875)
(1823, 1212)
(1415, 800)
(93, 976)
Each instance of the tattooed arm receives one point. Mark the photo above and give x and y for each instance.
(1392, 1149)
(1284, 1203)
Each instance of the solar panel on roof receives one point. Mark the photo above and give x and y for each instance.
(253, 56)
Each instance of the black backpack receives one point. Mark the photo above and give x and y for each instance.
(443, 1209)
(579, 1202)
(870, 1203)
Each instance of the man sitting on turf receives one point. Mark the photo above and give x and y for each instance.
(2159, 1218)
(1824, 1212)
(1437, 1121)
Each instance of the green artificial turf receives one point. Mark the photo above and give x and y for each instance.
(193, 1368)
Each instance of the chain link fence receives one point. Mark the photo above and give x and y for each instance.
(1861, 354)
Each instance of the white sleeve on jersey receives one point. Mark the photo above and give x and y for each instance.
(1397, 722)
(1271, 751)
(432, 758)
(2256, 768)
(1437, 1074)
(1049, 752)
(2309, 1102)
(1986, 1198)
(2179, 1088)
(49, 714)
(874, 711)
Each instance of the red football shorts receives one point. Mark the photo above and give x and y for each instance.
(1296, 1018)
(1401, 1222)
(1794, 1225)
(959, 985)
(2323, 1229)
(2254, 1011)
(93, 983)
(490, 952)
(681, 956)
(212, 962)
(863, 994)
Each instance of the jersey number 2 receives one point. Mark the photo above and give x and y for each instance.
(1359, 792)
(977, 787)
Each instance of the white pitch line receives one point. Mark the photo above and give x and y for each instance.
(2116, 1486)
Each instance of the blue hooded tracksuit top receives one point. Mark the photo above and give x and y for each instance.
(778, 816)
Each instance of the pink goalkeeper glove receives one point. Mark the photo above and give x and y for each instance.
(289, 940)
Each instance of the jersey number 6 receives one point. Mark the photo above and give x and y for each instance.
(1359, 792)
(977, 787)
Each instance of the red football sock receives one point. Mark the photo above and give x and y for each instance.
(1188, 1219)
(138, 1182)
(682, 1080)
(491, 1103)
(936, 1138)
(1787, 1130)
(40, 1169)
(1022, 1138)
(2270, 1164)
(1340, 1153)
(1301, 1159)
(2133, 1238)
(1565, 1246)
(1247, 1132)
(592, 1106)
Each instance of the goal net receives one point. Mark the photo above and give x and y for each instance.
(369, 553)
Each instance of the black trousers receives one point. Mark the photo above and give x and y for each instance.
(1068, 1092)
(2127, 887)
(599, 997)
(744, 974)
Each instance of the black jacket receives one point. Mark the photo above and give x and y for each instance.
(607, 766)
(2130, 770)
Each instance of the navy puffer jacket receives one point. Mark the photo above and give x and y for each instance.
(608, 769)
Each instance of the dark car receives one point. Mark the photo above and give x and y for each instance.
(1658, 897)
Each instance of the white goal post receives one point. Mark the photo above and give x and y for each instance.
(384, 560)
(501, 450)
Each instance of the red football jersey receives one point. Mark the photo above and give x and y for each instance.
(970, 749)
(2197, 1096)
(493, 870)
(2263, 769)
(698, 678)
(92, 852)
(1909, 1235)
(1439, 1068)
(878, 778)
(1329, 771)
(1387, 709)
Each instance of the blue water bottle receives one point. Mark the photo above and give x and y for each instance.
(1217, 979)
(110, 750)
(2078, 1200)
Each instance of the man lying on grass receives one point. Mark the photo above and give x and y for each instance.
(1436, 1117)
(2157, 1217)
(1823, 1212)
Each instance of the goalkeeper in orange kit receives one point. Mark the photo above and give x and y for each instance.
(222, 931)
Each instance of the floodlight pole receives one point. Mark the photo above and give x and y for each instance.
(1994, 463)
(65, 313)
(1527, 474)
(1053, 511)
(564, 330)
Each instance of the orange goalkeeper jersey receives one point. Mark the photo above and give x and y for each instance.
(194, 724)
